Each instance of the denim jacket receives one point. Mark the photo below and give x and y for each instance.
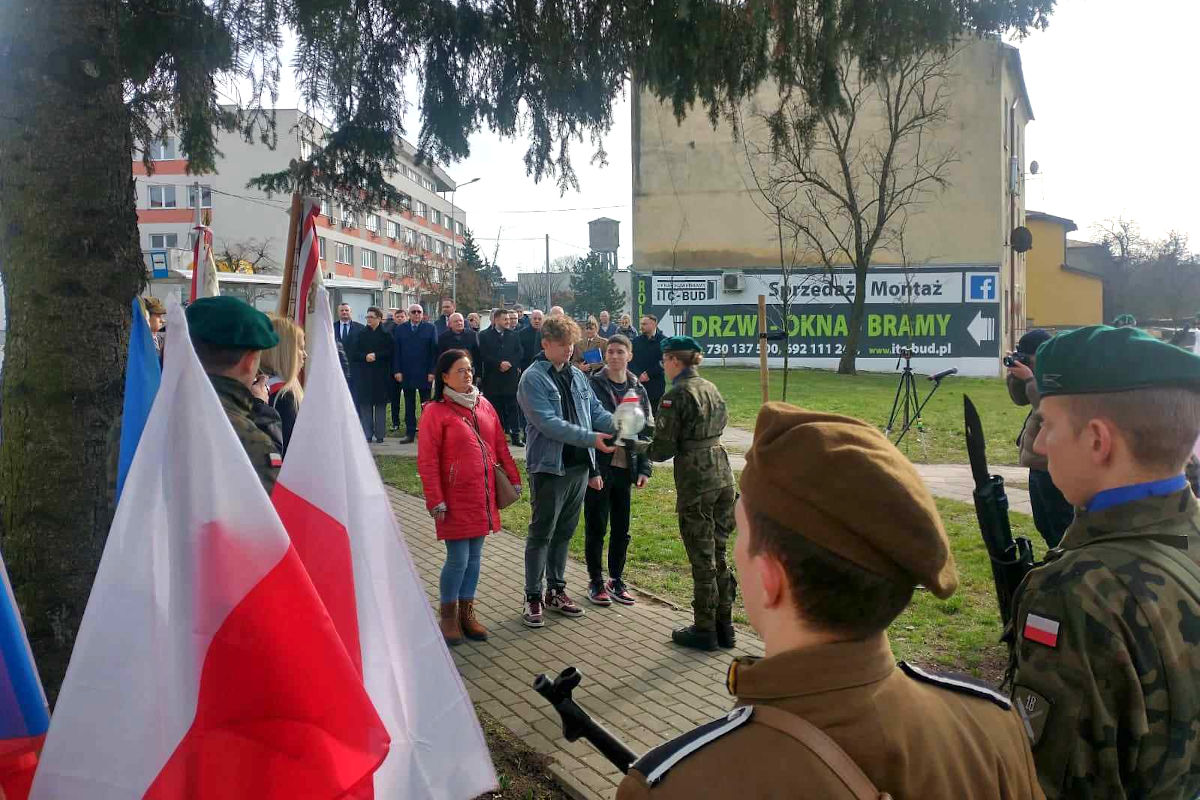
(547, 431)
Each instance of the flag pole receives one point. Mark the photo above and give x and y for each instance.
(289, 268)
(762, 348)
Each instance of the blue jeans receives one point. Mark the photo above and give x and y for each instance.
(460, 573)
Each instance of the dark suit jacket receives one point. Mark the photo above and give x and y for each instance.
(415, 354)
(441, 325)
(647, 358)
(496, 346)
(355, 329)
(531, 345)
(467, 340)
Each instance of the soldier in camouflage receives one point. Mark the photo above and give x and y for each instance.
(1106, 655)
(691, 417)
(229, 335)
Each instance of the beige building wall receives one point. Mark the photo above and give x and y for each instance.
(695, 206)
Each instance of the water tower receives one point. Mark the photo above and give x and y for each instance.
(604, 237)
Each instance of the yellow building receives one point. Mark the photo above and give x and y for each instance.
(697, 217)
(1065, 290)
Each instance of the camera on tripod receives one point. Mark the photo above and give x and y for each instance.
(907, 406)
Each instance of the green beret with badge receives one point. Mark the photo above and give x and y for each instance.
(680, 343)
(1100, 359)
(231, 322)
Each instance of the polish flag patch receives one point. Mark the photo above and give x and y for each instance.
(1042, 630)
(276, 460)
(666, 404)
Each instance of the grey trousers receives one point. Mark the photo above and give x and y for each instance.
(374, 420)
(556, 502)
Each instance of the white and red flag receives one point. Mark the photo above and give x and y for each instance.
(206, 666)
(332, 501)
(204, 267)
(310, 260)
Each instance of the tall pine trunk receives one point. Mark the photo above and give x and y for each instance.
(70, 261)
(846, 366)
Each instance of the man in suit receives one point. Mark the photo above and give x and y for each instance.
(608, 328)
(647, 362)
(345, 331)
(500, 354)
(396, 316)
(443, 322)
(522, 318)
(415, 356)
(459, 337)
(531, 338)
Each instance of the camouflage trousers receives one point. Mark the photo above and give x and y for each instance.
(705, 524)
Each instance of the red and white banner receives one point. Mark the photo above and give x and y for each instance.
(204, 268)
(332, 501)
(309, 262)
(206, 665)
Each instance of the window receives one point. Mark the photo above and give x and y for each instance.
(162, 197)
(437, 217)
(405, 202)
(348, 220)
(373, 223)
(328, 208)
(344, 253)
(389, 264)
(162, 241)
(458, 228)
(164, 150)
(437, 247)
(307, 149)
(426, 242)
(420, 209)
(369, 258)
(393, 229)
(321, 246)
(205, 197)
(410, 238)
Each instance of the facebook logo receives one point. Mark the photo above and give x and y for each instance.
(981, 287)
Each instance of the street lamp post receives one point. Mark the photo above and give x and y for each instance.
(454, 240)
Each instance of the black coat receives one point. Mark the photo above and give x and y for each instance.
(603, 390)
(531, 344)
(647, 358)
(371, 381)
(467, 340)
(496, 346)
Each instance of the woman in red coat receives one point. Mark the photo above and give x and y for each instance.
(461, 446)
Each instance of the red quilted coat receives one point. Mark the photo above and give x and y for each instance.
(457, 454)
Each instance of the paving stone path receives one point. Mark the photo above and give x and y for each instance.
(636, 683)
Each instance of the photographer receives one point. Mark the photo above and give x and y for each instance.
(1051, 511)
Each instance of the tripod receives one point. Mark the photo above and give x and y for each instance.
(906, 408)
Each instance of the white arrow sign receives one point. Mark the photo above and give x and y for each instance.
(982, 329)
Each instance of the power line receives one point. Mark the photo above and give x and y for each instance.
(557, 210)
(259, 200)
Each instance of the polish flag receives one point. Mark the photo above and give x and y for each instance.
(1042, 630)
(206, 666)
(333, 504)
(204, 268)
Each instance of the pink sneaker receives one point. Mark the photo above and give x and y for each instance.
(598, 594)
(616, 590)
(558, 600)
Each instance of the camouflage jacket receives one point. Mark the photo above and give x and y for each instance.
(688, 425)
(257, 425)
(1107, 654)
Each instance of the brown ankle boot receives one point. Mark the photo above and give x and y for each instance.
(451, 631)
(470, 626)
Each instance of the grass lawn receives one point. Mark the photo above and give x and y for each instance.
(961, 633)
(870, 397)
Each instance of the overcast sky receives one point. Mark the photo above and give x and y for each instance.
(1113, 88)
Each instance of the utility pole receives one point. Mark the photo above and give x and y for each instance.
(548, 303)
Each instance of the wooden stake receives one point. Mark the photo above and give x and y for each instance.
(762, 347)
(289, 267)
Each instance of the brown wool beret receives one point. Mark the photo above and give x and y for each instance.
(838, 482)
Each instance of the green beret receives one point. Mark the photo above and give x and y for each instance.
(231, 322)
(1101, 359)
(680, 343)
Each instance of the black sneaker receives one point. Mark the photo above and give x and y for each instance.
(726, 636)
(693, 637)
(558, 600)
(532, 618)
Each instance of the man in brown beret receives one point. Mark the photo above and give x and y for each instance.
(824, 569)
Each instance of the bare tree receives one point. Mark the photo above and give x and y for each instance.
(235, 256)
(860, 169)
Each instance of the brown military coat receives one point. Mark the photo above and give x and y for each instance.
(915, 736)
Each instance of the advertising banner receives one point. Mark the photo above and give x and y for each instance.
(947, 316)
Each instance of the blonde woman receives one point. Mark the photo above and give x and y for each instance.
(282, 364)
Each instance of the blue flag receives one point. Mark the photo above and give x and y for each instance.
(142, 376)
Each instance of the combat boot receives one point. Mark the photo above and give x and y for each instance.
(726, 637)
(693, 637)
(471, 627)
(451, 629)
